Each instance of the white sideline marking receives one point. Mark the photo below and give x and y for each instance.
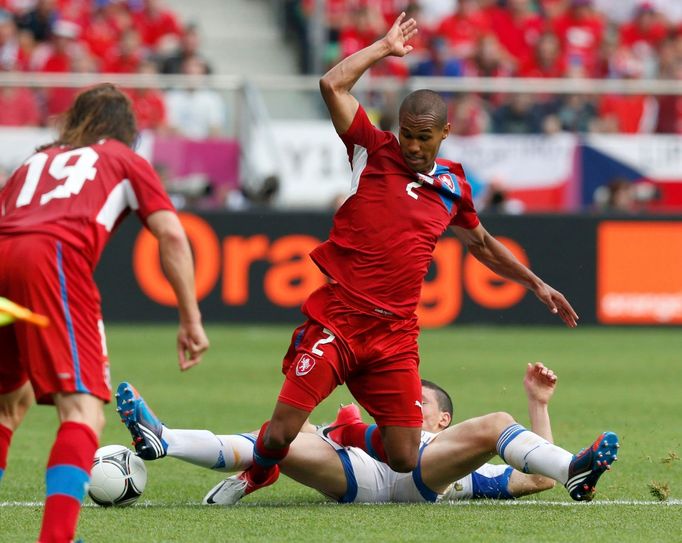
(479, 503)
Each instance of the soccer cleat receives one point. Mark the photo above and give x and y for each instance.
(347, 415)
(234, 488)
(143, 425)
(589, 464)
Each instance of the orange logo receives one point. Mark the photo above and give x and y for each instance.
(639, 272)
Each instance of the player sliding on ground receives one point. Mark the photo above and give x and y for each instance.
(361, 328)
(451, 465)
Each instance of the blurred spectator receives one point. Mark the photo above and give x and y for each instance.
(77, 11)
(439, 62)
(468, 115)
(126, 56)
(12, 56)
(148, 104)
(648, 28)
(518, 28)
(364, 25)
(519, 115)
(117, 14)
(18, 107)
(553, 9)
(547, 60)
(624, 196)
(63, 54)
(670, 107)
(101, 34)
(581, 31)
(465, 28)
(56, 55)
(40, 20)
(576, 113)
(190, 43)
(616, 196)
(158, 26)
(432, 12)
(496, 200)
(627, 114)
(195, 112)
(489, 59)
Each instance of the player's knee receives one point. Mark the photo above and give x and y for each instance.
(487, 429)
(500, 421)
(11, 415)
(403, 463)
(278, 436)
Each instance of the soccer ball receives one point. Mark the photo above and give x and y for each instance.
(118, 476)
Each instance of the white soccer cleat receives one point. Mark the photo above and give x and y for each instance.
(226, 492)
(233, 489)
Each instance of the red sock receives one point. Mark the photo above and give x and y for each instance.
(5, 440)
(364, 436)
(68, 471)
(264, 459)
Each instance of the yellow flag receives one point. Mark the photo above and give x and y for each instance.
(10, 312)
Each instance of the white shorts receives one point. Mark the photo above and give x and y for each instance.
(371, 481)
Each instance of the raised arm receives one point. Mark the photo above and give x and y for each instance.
(539, 383)
(499, 259)
(336, 84)
(176, 259)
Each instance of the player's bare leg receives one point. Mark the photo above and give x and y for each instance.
(467, 445)
(68, 467)
(461, 449)
(314, 463)
(14, 405)
(13, 408)
(285, 424)
(402, 447)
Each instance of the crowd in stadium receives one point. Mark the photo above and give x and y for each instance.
(618, 39)
(626, 39)
(107, 36)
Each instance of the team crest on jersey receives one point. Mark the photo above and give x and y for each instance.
(304, 365)
(446, 179)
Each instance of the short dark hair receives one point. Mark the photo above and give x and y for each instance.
(425, 102)
(102, 111)
(443, 398)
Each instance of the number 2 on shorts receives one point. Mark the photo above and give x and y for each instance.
(330, 337)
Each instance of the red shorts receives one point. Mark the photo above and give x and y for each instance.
(376, 357)
(54, 279)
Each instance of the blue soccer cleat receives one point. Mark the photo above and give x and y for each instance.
(143, 425)
(589, 464)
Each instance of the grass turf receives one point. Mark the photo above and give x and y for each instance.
(626, 380)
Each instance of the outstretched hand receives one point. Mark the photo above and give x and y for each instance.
(192, 343)
(399, 34)
(557, 304)
(539, 382)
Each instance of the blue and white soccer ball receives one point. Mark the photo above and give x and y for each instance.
(118, 476)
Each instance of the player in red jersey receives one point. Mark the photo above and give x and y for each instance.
(362, 328)
(57, 212)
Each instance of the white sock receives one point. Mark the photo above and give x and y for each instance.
(203, 448)
(530, 453)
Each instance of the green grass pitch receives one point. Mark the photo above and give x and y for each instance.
(624, 379)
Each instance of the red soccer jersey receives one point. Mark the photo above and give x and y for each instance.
(384, 235)
(80, 195)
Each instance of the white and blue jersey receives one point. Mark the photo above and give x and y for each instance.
(371, 481)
